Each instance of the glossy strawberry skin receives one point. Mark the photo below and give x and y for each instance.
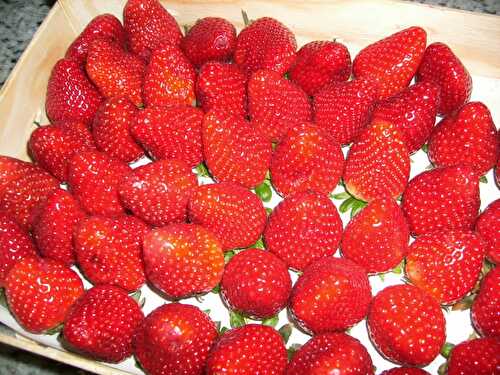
(406, 325)
(102, 322)
(478, 357)
(484, 310)
(303, 227)
(405, 371)
(488, 228)
(10, 170)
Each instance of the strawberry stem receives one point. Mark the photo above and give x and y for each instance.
(264, 191)
(244, 14)
(286, 331)
(446, 349)
(236, 320)
(271, 322)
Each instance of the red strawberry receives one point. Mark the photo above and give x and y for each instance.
(70, 94)
(53, 226)
(302, 228)
(319, 63)
(330, 105)
(182, 260)
(275, 104)
(170, 133)
(40, 292)
(93, 178)
(102, 322)
(222, 87)
(441, 66)
(331, 353)
(174, 339)
(256, 283)
(248, 350)
(234, 214)
(234, 150)
(210, 39)
(111, 129)
(378, 163)
(158, 192)
(307, 158)
(392, 61)
(485, 308)
(488, 228)
(442, 199)
(467, 137)
(147, 25)
(10, 170)
(413, 111)
(377, 238)
(114, 71)
(497, 169)
(405, 371)
(478, 357)
(406, 325)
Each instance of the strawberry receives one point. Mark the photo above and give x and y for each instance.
(102, 322)
(235, 215)
(108, 251)
(210, 39)
(170, 133)
(330, 105)
(53, 226)
(467, 137)
(484, 310)
(331, 295)
(182, 260)
(10, 170)
(40, 292)
(234, 150)
(392, 61)
(147, 24)
(377, 238)
(378, 163)
(406, 325)
(222, 87)
(307, 158)
(70, 94)
(265, 44)
(114, 71)
(319, 63)
(442, 199)
(169, 77)
(497, 169)
(413, 111)
(174, 339)
(441, 66)
(331, 353)
(488, 228)
(302, 228)
(276, 104)
(248, 350)
(478, 357)
(93, 178)
(111, 129)
(256, 283)
(405, 371)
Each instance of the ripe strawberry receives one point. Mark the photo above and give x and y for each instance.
(406, 325)
(93, 178)
(210, 39)
(378, 163)
(441, 66)
(331, 295)
(497, 168)
(235, 215)
(478, 357)
(413, 111)
(109, 251)
(331, 353)
(70, 94)
(405, 371)
(330, 105)
(170, 133)
(111, 129)
(377, 238)
(319, 63)
(442, 199)
(234, 150)
(467, 137)
(392, 61)
(174, 339)
(307, 158)
(182, 260)
(10, 170)
(102, 322)
(275, 104)
(248, 350)
(40, 292)
(256, 283)
(303, 228)
(488, 228)
(485, 308)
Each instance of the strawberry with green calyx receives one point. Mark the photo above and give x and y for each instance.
(488, 227)
(484, 310)
(476, 356)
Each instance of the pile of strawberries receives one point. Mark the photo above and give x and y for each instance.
(252, 112)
